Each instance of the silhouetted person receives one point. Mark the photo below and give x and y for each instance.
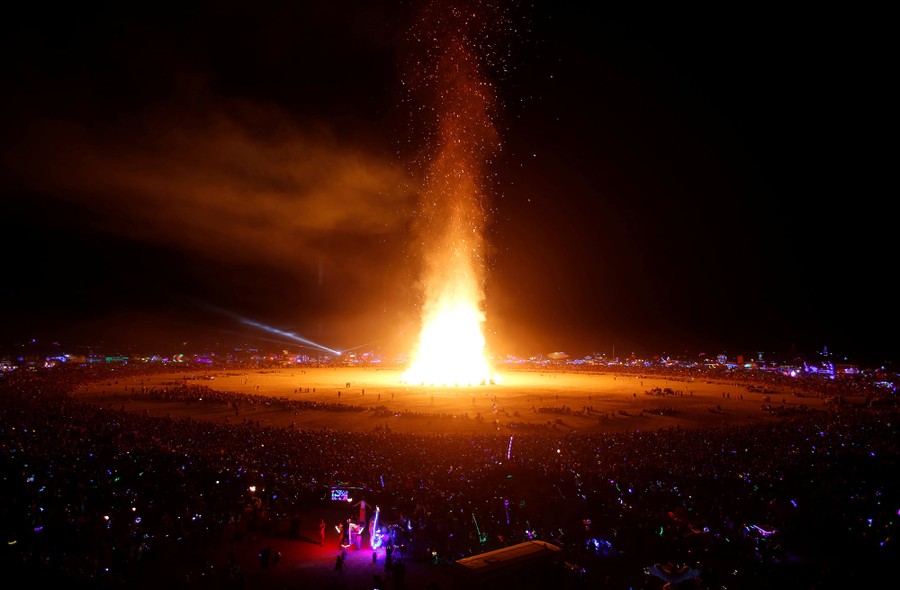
(265, 557)
(388, 561)
(399, 573)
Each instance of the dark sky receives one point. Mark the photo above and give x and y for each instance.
(671, 180)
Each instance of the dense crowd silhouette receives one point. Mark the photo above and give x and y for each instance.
(97, 497)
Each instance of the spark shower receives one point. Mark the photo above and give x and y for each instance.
(456, 46)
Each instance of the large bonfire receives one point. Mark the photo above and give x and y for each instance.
(462, 138)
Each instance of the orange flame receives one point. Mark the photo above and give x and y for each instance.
(452, 346)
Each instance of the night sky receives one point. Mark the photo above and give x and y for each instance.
(671, 180)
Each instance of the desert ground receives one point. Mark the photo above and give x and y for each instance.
(363, 399)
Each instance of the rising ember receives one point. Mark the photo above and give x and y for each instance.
(455, 43)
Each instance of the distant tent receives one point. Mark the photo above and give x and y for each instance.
(557, 356)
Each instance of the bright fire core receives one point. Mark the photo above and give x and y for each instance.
(451, 348)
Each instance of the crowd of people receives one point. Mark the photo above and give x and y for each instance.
(96, 497)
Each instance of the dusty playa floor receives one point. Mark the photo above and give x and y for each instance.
(523, 401)
(362, 400)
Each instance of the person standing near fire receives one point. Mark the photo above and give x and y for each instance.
(346, 539)
(363, 512)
